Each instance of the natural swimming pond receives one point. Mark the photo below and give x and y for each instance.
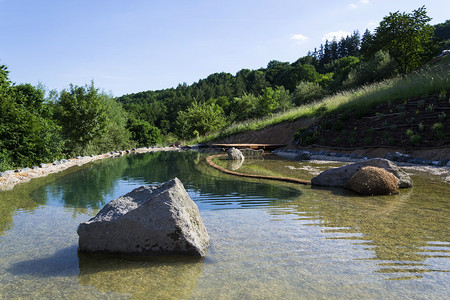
(269, 240)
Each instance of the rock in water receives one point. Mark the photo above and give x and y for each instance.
(235, 154)
(339, 176)
(371, 181)
(150, 220)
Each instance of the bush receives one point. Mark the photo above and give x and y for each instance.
(380, 67)
(307, 92)
(201, 118)
(143, 133)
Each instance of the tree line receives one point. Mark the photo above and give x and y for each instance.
(39, 126)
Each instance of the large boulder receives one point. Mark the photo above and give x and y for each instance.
(150, 220)
(339, 176)
(235, 154)
(371, 181)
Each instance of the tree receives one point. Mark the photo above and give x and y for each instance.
(200, 119)
(377, 68)
(144, 133)
(407, 37)
(81, 112)
(27, 136)
(306, 92)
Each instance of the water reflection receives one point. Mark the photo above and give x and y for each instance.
(399, 228)
(95, 185)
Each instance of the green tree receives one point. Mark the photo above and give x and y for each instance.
(306, 92)
(81, 112)
(144, 133)
(27, 137)
(377, 68)
(407, 37)
(244, 107)
(116, 135)
(200, 119)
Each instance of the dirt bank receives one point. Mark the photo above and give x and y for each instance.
(284, 132)
(281, 133)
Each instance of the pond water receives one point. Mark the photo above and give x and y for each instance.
(269, 240)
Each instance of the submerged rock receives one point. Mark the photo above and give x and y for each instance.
(371, 181)
(235, 154)
(339, 176)
(150, 220)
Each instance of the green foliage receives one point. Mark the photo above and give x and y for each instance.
(380, 66)
(27, 137)
(143, 133)
(442, 30)
(5, 160)
(341, 68)
(81, 113)
(307, 92)
(244, 107)
(91, 121)
(116, 135)
(202, 118)
(407, 37)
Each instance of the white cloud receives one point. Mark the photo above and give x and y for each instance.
(336, 34)
(299, 38)
(355, 5)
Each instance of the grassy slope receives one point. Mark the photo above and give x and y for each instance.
(431, 79)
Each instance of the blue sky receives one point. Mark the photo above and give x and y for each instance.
(130, 46)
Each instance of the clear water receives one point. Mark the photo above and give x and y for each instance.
(269, 240)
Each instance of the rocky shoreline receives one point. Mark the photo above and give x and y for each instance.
(10, 178)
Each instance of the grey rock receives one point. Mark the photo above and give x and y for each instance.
(25, 170)
(339, 176)
(42, 165)
(397, 156)
(79, 157)
(92, 155)
(5, 173)
(63, 160)
(302, 155)
(235, 154)
(150, 220)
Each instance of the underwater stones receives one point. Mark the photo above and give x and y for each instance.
(150, 220)
(371, 181)
(338, 177)
(235, 154)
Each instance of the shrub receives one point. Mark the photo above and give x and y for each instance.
(307, 92)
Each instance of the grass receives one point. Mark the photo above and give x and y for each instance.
(430, 79)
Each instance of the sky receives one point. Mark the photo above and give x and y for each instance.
(129, 46)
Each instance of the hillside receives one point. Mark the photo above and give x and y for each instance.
(407, 114)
